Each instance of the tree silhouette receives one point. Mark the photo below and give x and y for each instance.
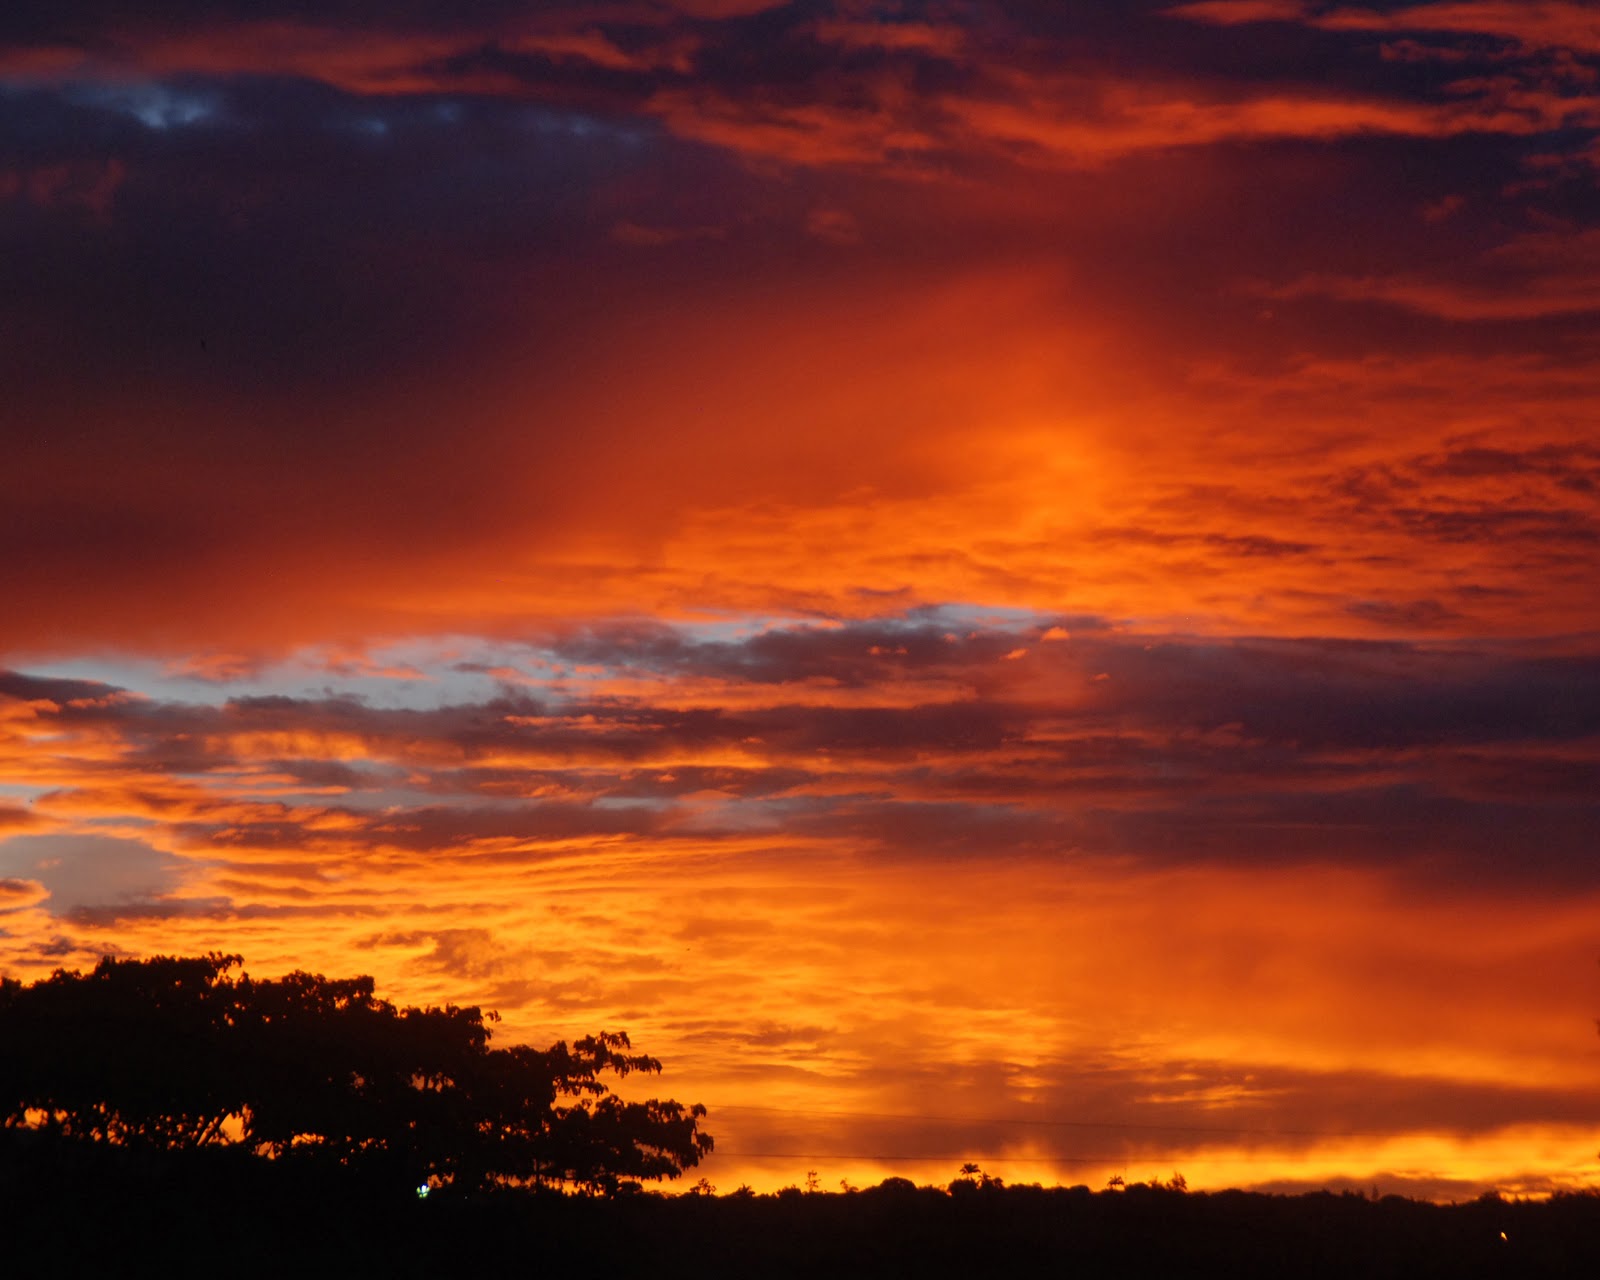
(176, 1054)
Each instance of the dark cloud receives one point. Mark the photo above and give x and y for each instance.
(1461, 763)
(1312, 694)
(654, 783)
(159, 911)
(336, 774)
(26, 688)
(1429, 838)
(458, 829)
(1575, 468)
(1406, 615)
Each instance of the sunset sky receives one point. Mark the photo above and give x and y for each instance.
(1011, 582)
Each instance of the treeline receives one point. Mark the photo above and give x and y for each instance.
(122, 1211)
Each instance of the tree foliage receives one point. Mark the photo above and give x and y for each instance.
(180, 1053)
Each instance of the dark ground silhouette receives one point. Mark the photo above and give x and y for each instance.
(72, 1209)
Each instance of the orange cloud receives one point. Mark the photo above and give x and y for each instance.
(1001, 448)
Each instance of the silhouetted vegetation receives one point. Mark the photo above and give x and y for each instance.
(84, 1209)
(177, 1055)
(168, 1117)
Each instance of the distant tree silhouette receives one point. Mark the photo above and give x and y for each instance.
(177, 1053)
(970, 1177)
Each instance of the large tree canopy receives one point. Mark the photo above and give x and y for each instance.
(179, 1053)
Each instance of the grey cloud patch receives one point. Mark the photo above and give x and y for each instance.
(855, 655)
(1406, 615)
(436, 828)
(1417, 831)
(92, 872)
(157, 909)
(154, 105)
(26, 688)
(339, 774)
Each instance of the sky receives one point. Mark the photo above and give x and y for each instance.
(998, 582)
